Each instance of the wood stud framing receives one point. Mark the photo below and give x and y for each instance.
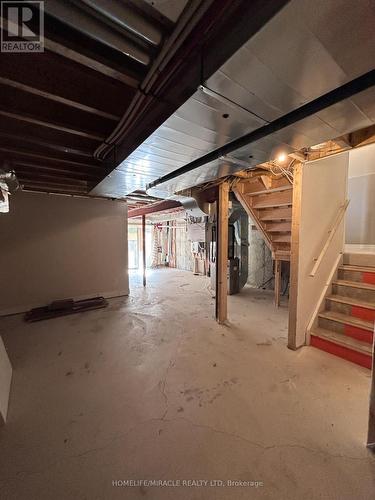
(144, 249)
(294, 256)
(222, 253)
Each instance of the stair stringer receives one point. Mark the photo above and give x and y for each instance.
(238, 191)
(327, 290)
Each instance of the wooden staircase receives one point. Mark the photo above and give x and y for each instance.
(345, 328)
(268, 202)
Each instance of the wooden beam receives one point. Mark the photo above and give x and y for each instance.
(144, 249)
(54, 126)
(26, 176)
(59, 99)
(296, 155)
(362, 137)
(294, 256)
(222, 253)
(15, 139)
(160, 206)
(19, 152)
(277, 282)
(89, 62)
(58, 170)
(48, 188)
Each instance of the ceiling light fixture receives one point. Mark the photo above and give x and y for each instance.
(281, 157)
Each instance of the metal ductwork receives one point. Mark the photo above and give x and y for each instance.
(346, 91)
(102, 29)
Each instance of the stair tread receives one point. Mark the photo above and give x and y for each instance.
(275, 214)
(279, 229)
(271, 204)
(363, 269)
(355, 284)
(281, 255)
(350, 301)
(343, 340)
(280, 235)
(272, 190)
(347, 320)
(273, 218)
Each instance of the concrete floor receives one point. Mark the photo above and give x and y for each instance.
(153, 388)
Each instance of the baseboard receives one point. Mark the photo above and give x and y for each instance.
(23, 308)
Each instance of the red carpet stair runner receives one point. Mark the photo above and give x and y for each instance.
(346, 326)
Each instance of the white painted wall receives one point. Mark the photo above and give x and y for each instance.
(324, 190)
(360, 221)
(5, 381)
(54, 247)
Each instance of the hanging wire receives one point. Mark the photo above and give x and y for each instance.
(286, 171)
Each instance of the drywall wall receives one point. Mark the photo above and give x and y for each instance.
(5, 381)
(323, 190)
(53, 247)
(360, 220)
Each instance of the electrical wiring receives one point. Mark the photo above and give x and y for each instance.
(286, 171)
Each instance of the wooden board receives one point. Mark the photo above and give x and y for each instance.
(222, 253)
(294, 256)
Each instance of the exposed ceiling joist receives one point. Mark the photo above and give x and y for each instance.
(362, 137)
(22, 153)
(56, 98)
(91, 63)
(50, 125)
(21, 167)
(38, 146)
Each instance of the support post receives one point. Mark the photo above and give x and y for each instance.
(277, 282)
(222, 253)
(144, 248)
(294, 255)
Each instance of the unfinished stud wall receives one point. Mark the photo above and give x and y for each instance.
(54, 247)
(360, 220)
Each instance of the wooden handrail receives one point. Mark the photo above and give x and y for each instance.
(331, 234)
